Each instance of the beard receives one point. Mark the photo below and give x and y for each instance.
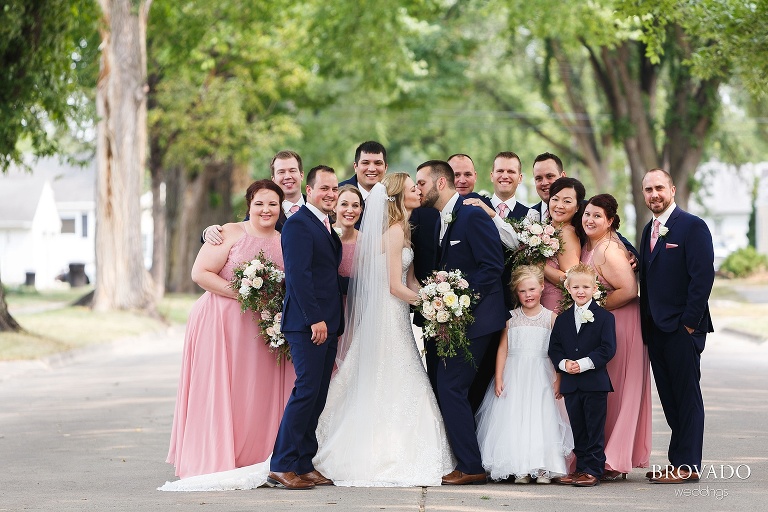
(430, 198)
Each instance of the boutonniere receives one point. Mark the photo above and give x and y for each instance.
(447, 218)
(663, 230)
(338, 231)
(587, 316)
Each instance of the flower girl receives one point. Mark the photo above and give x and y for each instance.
(522, 430)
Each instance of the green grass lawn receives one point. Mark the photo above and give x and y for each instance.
(51, 325)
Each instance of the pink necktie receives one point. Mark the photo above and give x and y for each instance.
(655, 233)
(294, 209)
(502, 209)
(545, 217)
(327, 224)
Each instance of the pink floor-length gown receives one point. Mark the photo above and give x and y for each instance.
(232, 392)
(552, 295)
(628, 419)
(345, 270)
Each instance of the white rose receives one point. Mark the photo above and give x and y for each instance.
(250, 270)
(663, 230)
(451, 300)
(258, 265)
(256, 282)
(245, 291)
(444, 287)
(534, 241)
(464, 301)
(443, 316)
(276, 328)
(536, 229)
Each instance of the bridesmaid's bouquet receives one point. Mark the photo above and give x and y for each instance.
(260, 286)
(445, 301)
(538, 241)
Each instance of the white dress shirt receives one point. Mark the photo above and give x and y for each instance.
(585, 363)
(506, 233)
(287, 205)
(317, 213)
(447, 209)
(664, 217)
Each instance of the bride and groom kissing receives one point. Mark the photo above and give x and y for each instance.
(383, 420)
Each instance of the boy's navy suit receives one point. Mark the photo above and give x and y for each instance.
(586, 393)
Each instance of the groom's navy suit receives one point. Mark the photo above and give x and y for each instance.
(675, 283)
(313, 294)
(470, 244)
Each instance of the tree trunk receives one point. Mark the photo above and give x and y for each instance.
(194, 202)
(7, 322)
(121, 279)
(159, 237)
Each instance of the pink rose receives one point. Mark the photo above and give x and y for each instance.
(438, 303)
(545, 238)
(554, 244)
(463, 284)
(441, 276)
(549, 230)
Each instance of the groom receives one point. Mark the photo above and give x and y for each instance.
(468, 241)
(313, 318)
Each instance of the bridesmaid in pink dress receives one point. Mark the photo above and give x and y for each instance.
(565, 196)
(349, 208)
(628, 419)
(231, 392)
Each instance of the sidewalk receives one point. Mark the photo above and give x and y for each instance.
(89, 432)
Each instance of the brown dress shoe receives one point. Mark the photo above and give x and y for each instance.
(585, 480)
(679, 476)
(288, 480)
(568, 479)
(456, 477)
(316, 478)
(660, 471)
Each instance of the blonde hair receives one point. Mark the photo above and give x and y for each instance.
(580, 268)
(522, 273)
(395, 185)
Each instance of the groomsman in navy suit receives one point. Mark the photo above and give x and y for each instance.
(313, 318)
(582, 342)
(467, 241)
(506, 176)
(288, 172)
(676, 277)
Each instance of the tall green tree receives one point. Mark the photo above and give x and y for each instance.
(45, 47)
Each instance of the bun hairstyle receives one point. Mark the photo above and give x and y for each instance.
(260, 185)
(610, 206)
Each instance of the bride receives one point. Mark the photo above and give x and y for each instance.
(381, 426)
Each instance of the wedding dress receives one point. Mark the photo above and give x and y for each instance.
(381, 426)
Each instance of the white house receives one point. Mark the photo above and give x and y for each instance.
(47, 221)
(725, 203)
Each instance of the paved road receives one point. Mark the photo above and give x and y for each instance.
(89, 431)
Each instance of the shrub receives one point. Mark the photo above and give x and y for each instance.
(744, 262)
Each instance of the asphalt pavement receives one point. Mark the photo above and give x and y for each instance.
(89, 431)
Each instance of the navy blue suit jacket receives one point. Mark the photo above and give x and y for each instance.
(313, 286)
(596, 340)
(676, 278)
(471, 244)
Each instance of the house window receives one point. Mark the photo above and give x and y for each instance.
(67, 225)
(84, 231)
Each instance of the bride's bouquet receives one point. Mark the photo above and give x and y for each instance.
(260, 286)
(538, 241)
(445, 301)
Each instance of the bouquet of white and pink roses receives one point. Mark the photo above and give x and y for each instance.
(538, 241)
(445, 301)
(260, 286)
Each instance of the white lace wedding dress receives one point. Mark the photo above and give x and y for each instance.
(381, 426)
